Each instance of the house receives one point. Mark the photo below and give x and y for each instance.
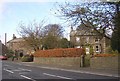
(19, 44)
(92, 41)
(3, 49)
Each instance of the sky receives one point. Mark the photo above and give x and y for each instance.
(12, 12)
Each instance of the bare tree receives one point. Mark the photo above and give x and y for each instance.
(99, 15)
(31, 33)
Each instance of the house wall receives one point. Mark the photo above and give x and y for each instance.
(4, 49)
(102, 44)
(19, 44)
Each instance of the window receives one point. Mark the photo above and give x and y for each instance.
(87, 39)
(77, 46)
(97, 48)
(78, 39)
(97, 40)
(87, 50)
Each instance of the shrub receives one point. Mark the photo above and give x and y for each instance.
(27, 58)
(105, 55)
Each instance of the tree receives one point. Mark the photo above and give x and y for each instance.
(52, 33)
(54, 30)
(31, 33)
(115, 40)
(64, 43)
(50, 42)
(99, 16)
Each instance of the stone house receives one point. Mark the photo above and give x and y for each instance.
(19, 44)
(92, 41)
(3, 49)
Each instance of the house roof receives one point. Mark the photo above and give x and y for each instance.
(16, 40)
(85, 29)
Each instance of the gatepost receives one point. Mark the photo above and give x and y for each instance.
(82, 61)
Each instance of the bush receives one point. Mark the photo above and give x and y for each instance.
(105, 55)
(27, 58)
(67, 52)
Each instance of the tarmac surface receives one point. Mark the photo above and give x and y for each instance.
(88, 70)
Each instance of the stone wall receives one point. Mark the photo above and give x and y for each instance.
(95, 62)
(65, 61)
(104, 62)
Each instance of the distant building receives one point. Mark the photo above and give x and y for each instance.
(18, 44)
(88, 38)
(3, 49)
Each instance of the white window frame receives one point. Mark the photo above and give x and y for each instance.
(78, 39)
(97, 49)
(87, 39)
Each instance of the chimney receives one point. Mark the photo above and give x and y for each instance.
(5, 39)
(14, 37)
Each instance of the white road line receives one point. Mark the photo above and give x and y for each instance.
(24, 69)
(7, 65)
(76, 71)
(56, 76)
(27, 77)
(28, 65)
(8, 71)
(86, 72)
(49, 68)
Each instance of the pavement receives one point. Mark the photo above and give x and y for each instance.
(88, 70)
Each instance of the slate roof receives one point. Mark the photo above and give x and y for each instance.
(84, 30)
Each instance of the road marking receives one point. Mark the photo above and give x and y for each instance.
(27, 77)
(49, 68)
(94, 73)
(76, 71)
(56, 76)
(7, 65)
(24, 69)
(28, 65)
(8, 71)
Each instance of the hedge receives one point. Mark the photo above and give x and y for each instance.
(105, 55)
(67, 52)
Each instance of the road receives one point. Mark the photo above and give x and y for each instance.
(14, 70)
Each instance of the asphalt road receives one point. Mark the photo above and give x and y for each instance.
(18, 71)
